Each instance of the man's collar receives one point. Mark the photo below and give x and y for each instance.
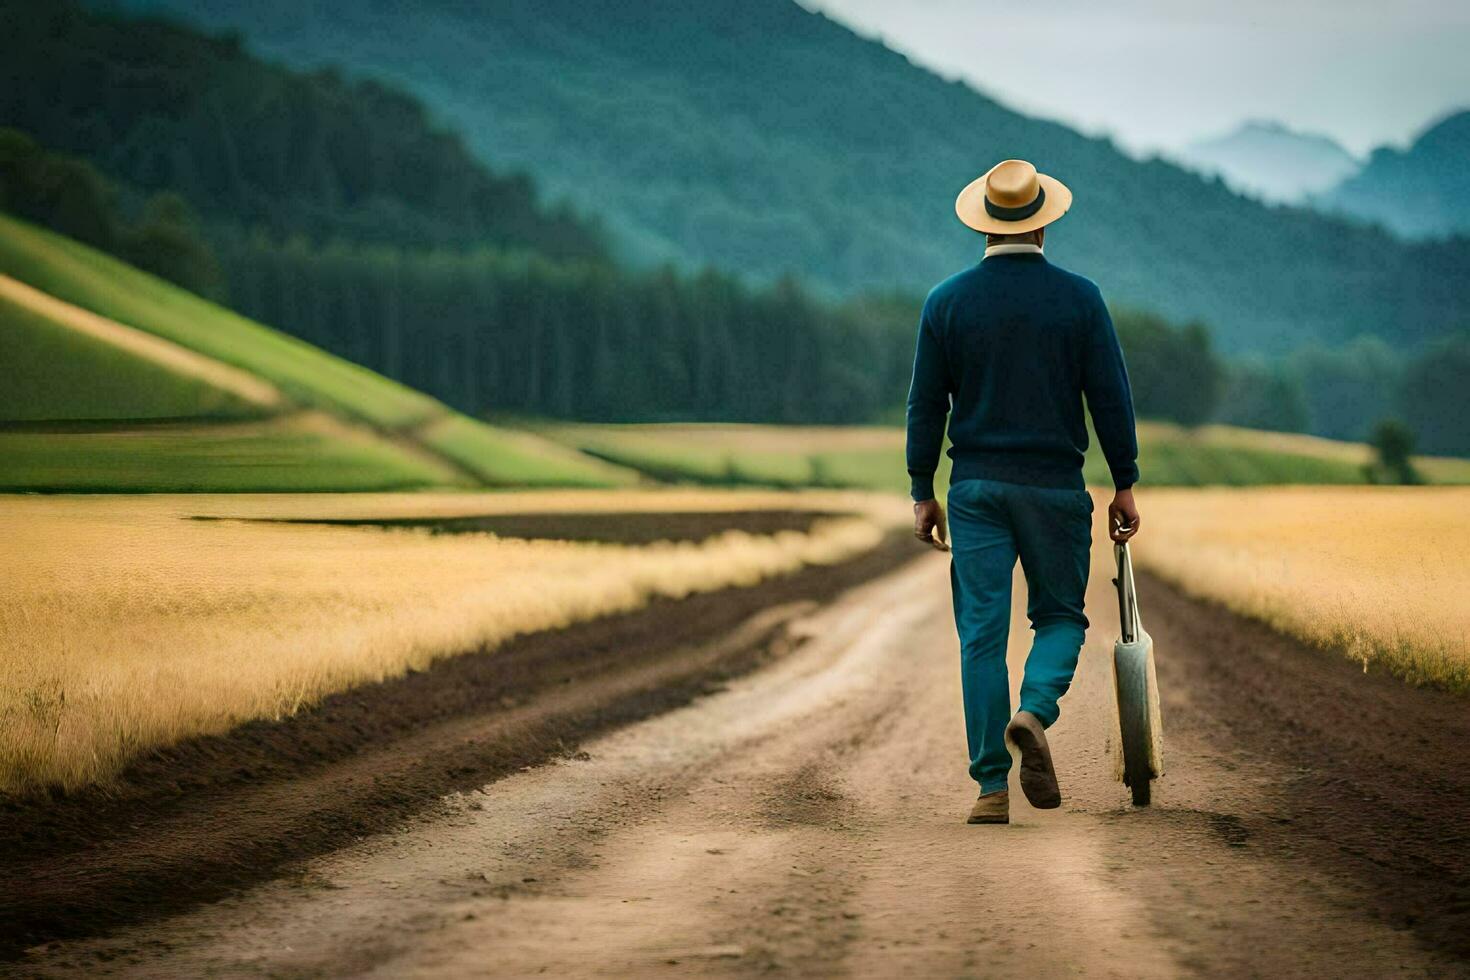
(1013, 248)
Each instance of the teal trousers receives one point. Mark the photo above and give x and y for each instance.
(991, 525)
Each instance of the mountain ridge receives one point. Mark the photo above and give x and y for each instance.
(764, 138)
(1422, 191)
(160, 107)
(1271, 160)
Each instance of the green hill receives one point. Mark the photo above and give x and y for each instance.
(119, 381)
(759, 136)
(85, 277)
(65, 365)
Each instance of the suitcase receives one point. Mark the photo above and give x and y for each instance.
(1140, 723)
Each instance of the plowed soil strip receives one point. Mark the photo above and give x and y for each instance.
(205, 818)
(1377, 772)
(614, 527)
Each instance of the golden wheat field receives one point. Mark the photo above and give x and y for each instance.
(1381, 573)
(127, 625)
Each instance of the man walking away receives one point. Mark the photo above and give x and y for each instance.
(1007, 349)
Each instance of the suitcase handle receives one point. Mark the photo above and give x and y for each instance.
(1127, 594)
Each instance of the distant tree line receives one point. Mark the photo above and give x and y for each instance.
(1349, 391)
(1174, 371)
(1346, 392)
(498, 332)
(1361, 391)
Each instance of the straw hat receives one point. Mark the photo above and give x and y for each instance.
(1012, 198)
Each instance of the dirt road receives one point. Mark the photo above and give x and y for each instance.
(808, 820)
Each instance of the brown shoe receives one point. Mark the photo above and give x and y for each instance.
(1038, 778)
(992, 808)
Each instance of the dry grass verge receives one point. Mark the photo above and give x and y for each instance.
(127, 626)
(1378, 572)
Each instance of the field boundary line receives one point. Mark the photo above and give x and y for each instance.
(140, 343)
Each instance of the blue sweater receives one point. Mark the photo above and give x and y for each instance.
(1007, 349)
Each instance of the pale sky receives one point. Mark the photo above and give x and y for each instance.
(1155, 74)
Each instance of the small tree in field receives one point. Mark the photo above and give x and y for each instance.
(1393, 441)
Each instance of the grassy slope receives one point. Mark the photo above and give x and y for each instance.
(55, 372)
(77, 274)
(873, 457)
(405, 438)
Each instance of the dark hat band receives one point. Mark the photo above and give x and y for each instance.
(1015, 214)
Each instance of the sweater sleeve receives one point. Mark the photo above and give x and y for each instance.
(1109, 398)
(928, 408)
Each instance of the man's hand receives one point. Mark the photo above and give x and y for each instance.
(929, 526)
(1123, 519)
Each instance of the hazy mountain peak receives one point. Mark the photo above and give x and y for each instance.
(1421, 191)
(1450, 134)
(1269, 159)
